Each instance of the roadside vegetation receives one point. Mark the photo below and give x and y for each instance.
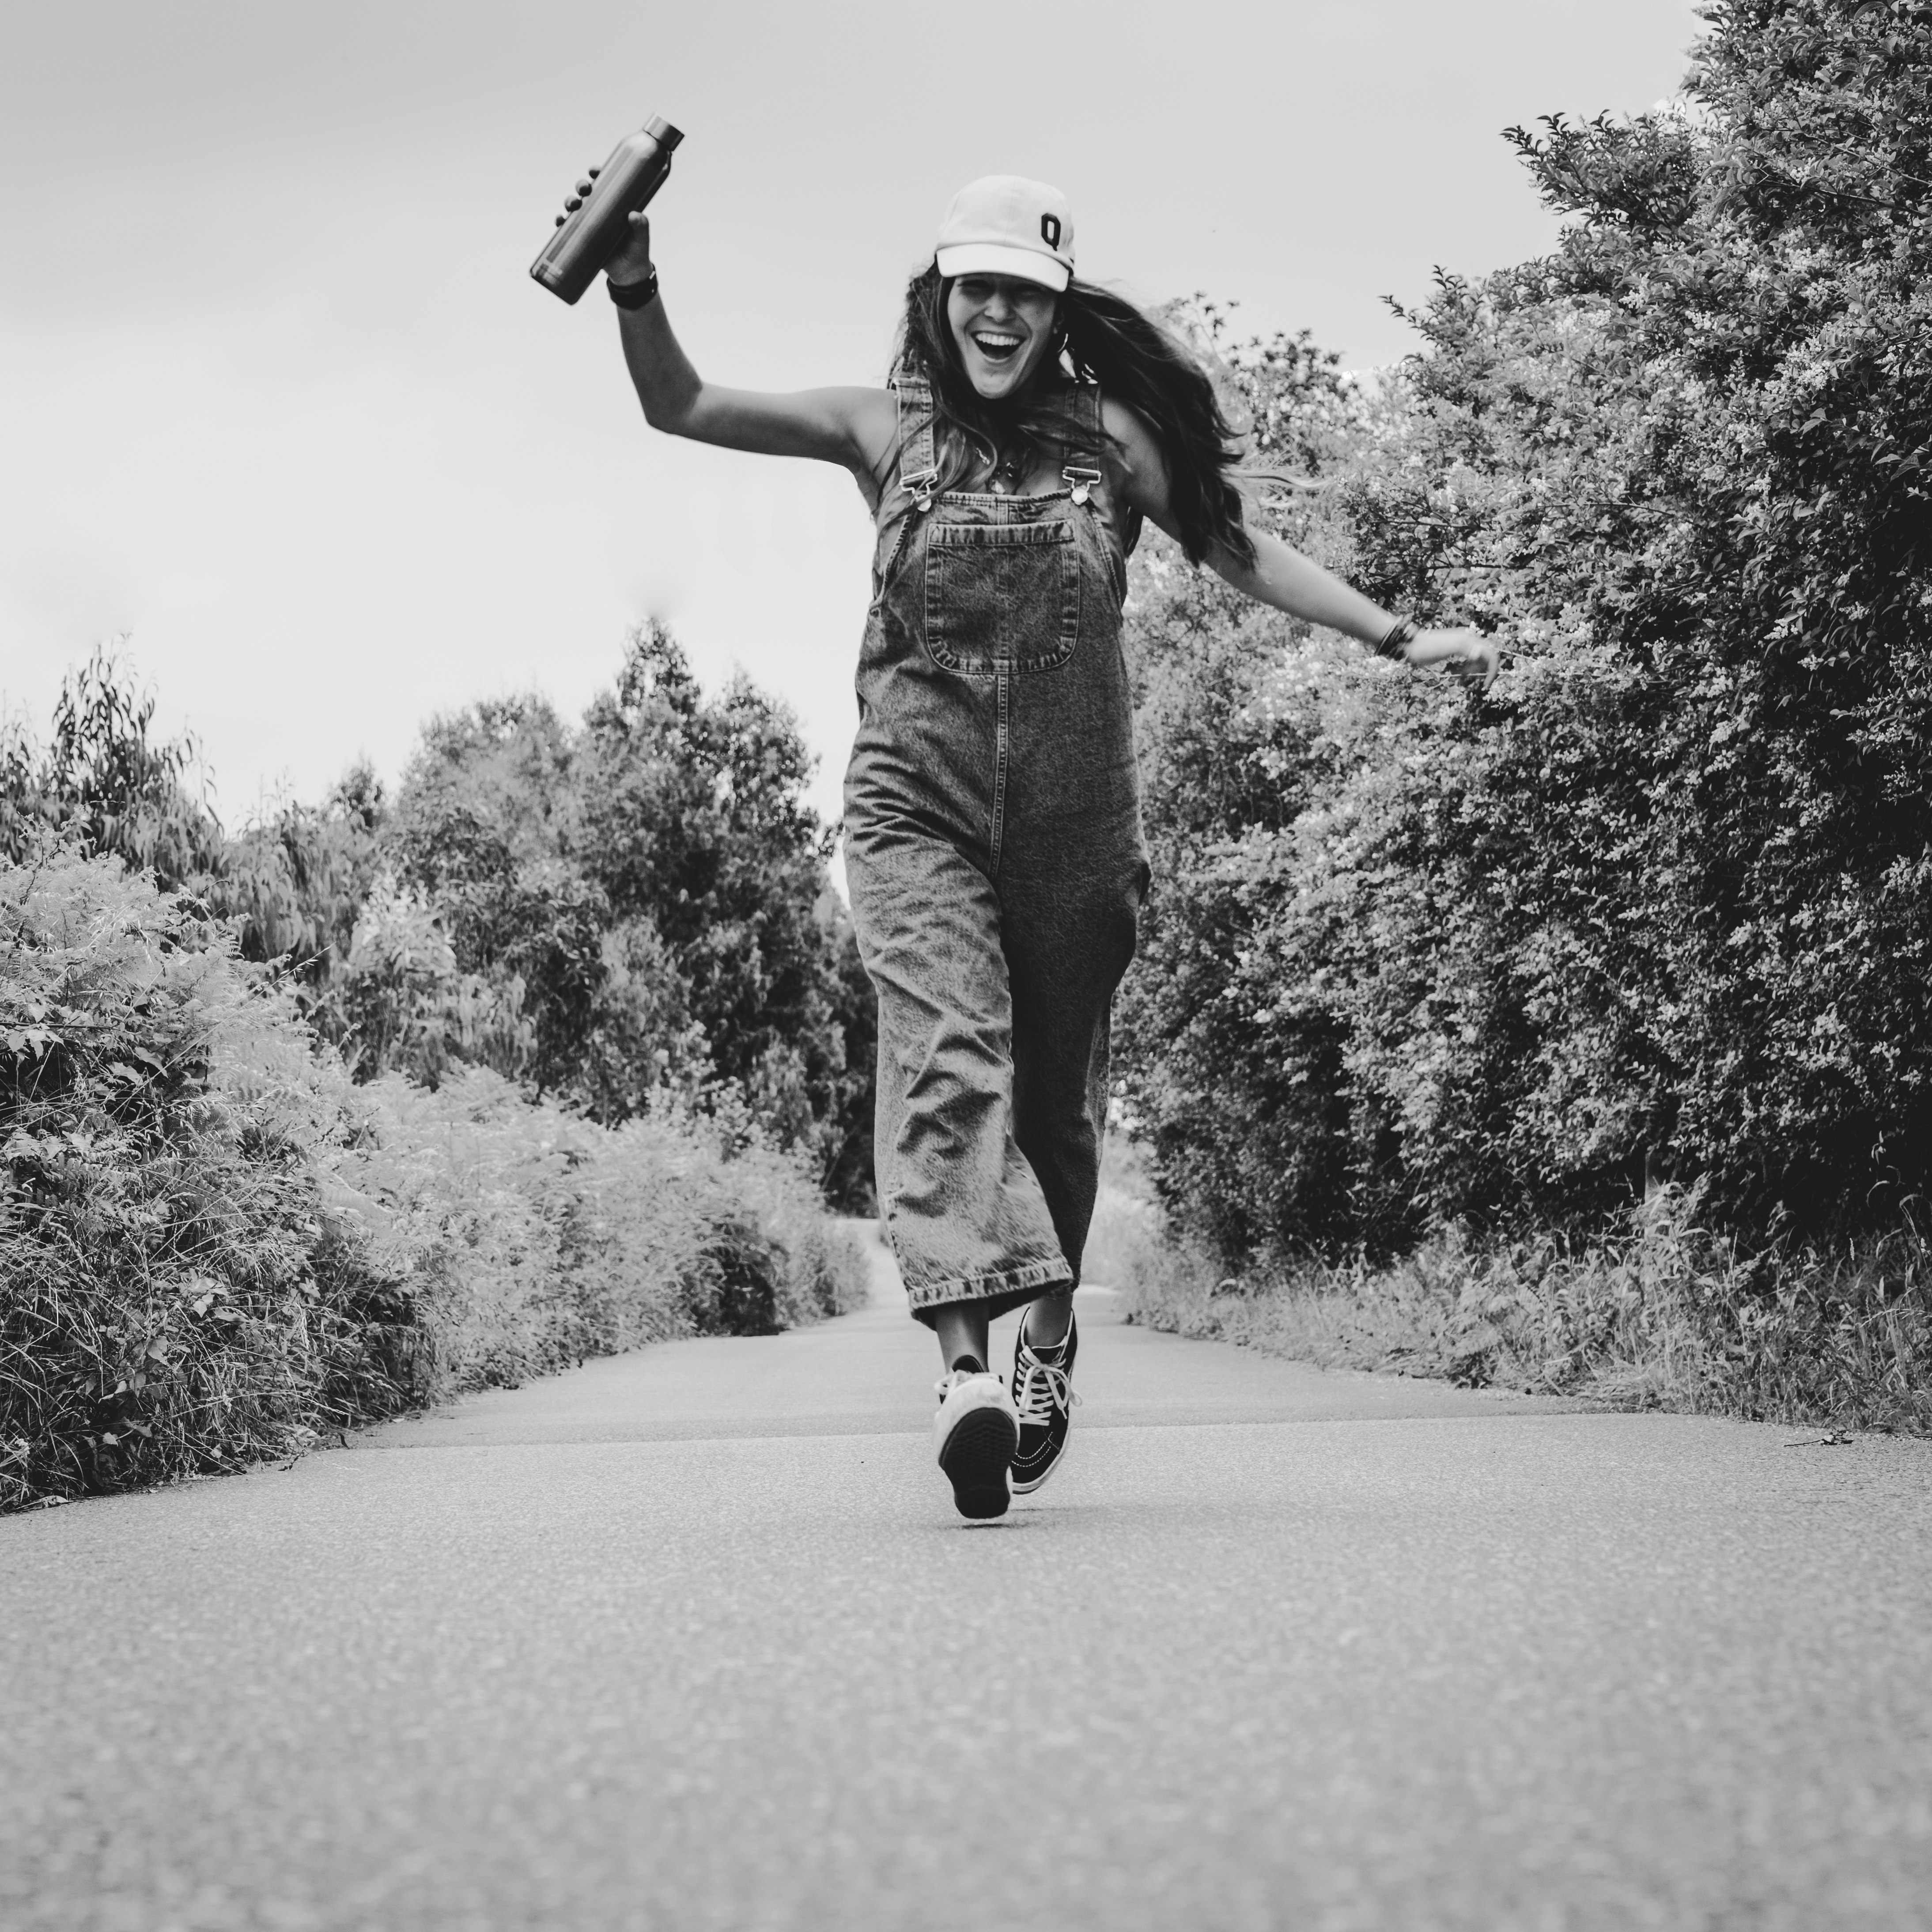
(373, 1104)
(1577, 1034)
(1652, 1309)
(1574, 1035)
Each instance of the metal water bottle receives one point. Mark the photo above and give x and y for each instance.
(591, 234)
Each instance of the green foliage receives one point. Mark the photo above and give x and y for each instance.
(1655, 1309)
(103, 778)
(648, 895)
(693, 818)
(1659, 908)
(1238, 1087)
(298, 881)
(295, 883)
(531, 1238)
(631, 916)
(176, 1292)
(213, 1247)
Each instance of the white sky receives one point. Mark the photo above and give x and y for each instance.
(278, 398)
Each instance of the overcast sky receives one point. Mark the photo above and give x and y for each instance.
(278, 400)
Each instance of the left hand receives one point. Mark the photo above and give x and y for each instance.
(1469, 654)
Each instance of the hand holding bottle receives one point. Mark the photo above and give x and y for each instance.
(600, 226)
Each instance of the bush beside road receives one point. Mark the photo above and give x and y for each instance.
(215, 1248)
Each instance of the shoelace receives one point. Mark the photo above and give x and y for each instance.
(1043, 1387)
(952, 1378)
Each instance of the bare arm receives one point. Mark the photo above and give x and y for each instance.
(853, 427)
(1281, 576)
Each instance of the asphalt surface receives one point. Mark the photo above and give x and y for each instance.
(692, 1638)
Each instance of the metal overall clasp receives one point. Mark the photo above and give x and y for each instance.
(1082, 482)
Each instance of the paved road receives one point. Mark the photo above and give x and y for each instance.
(692, 1638)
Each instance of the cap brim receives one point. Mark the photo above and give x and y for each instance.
(999, 258)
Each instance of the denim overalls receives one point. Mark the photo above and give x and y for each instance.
(996, 867)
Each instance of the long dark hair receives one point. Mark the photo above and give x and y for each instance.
(1098, 338)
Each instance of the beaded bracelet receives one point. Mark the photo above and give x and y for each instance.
(1403, 631)
(635, 295)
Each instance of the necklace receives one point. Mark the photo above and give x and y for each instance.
(1006, 475)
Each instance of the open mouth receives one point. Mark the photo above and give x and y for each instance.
(996, 345)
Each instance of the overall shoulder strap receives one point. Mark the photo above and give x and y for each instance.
(919, 467)
(1081, 478)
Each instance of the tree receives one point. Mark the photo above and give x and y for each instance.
(104, 779)
(1661, 905)
(608, 915)
(294, 881)
(652, 887)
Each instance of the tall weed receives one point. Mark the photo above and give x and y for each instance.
(1655, 1311)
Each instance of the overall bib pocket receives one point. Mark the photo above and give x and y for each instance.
(1001, 597)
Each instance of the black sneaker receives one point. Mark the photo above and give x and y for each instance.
(975, 1432)
(1044, 1398)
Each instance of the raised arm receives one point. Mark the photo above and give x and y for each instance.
(1281, 576)
(853, 427)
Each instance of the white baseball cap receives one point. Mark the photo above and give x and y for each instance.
(1006, 225)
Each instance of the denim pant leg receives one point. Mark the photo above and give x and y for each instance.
(966, 1217)
(1069, 931)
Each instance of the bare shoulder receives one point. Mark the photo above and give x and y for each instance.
(873, 415)
(1144, 471)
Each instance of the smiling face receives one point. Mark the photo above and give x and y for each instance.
(1003, 327)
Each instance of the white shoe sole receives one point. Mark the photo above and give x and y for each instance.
(975, 1434)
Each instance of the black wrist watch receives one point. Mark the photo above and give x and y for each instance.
(634, 295)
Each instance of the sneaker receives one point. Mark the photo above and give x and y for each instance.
(975, 1432)
(1044, 1400)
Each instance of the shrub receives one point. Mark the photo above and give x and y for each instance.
(531, 1237)
(1652, 1310)
(608, 916)
(176, 1291)
(213, 1247)
(1661, 908)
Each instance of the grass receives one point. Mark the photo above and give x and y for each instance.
(1656, 1312)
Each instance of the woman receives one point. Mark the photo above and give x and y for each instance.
(993, 846)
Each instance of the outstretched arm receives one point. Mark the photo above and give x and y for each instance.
(1281, 576)
(853, 427)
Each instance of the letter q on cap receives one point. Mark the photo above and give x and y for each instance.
(1007, 225)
